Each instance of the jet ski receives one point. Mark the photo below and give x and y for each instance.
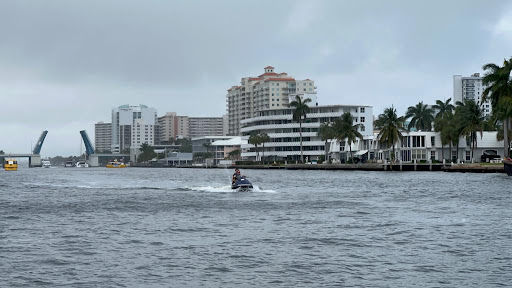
(242, 184)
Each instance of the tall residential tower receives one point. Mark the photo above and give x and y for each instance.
(470, 88)
(268, 91)
(132, 126)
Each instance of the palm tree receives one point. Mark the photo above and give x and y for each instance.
(234, 155)
(390, 126)
(344, 129)
(299, 114)
(472, 121)
(443, 108)
(254, 139)
(326, 132)
(421, 117)
(263, 138)
(499, 90)
(443, 120)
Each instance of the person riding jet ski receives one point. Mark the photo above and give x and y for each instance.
(240, 182)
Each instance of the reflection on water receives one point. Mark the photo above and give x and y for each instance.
(186, 227)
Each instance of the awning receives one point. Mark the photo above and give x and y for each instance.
(361, 152)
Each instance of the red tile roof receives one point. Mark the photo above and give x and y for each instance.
(269, 67)
(279, 79)
(268, 74)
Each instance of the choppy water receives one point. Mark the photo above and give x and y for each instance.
(133, 227)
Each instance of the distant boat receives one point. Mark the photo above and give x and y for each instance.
(10, 165)
(507, 163)
(69, 164)
(82, 164)
(46, 164)
(116, 164)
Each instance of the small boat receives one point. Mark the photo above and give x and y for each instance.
(242, 184)
(46, 164)
(69, 164)
(116, 164)
(82, 164)
(507, 163)
(11, 165)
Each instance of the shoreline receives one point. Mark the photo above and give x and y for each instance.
(424, 167)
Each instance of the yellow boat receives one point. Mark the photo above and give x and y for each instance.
(10, 164)
(116, 164)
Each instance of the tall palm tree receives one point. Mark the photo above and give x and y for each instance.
(263, 138)
(499, 90)
(345, 130)
(472, 122)
(443, 107)
(299, 115)
(255, 140)
(421, 117)
(326, 132)
(442, 121)
(390, 126)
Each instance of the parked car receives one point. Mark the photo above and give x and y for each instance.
(488, 157)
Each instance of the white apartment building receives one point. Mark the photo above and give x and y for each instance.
(268, 91)
(102, 137)
(284, 134)
(132, 126)
(470, 88)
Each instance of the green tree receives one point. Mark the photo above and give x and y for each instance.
(185, 145)
(499, 90)
(345, 130)
(2, 152)
(442, 121)
(390, 126)
(421, 117)
(234, 155)
(472, 120)
(147, 153)
(263, 139)
(326, 132)
(255, 140)
(299, 115)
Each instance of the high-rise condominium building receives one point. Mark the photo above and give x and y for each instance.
(102, 137)
(470, 88)
(173, 127)
(268, 91)
(132, 126)
(205, 126)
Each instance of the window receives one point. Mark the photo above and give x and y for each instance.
(468, 155)
(433, 141)
(310, 84)
(272, 88)
(304, 89)
(432, 155)
(304, 84)
(362, 119)
(310, 89)
(454, 154)
(362, 110)
(362, 128)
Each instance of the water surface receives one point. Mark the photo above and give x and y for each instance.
(134, 227)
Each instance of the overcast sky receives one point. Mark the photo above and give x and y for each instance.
(65, 64)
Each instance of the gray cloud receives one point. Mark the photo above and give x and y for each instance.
(65, 64)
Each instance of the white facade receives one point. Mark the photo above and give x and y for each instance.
(284, 132)
(470, 88)
(268, 91)
(425, 146)
(127, 122)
